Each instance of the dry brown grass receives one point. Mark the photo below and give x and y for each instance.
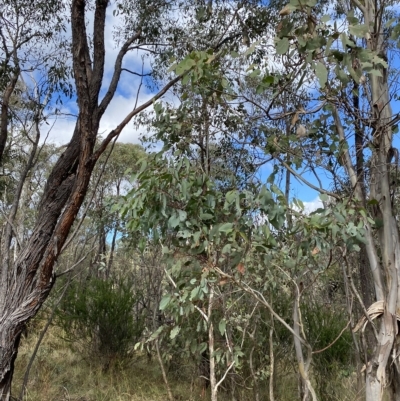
(60, 374)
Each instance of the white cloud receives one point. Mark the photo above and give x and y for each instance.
(313, 205)
(124, 99)
(118, 109)
(59, 130)
(310, 206)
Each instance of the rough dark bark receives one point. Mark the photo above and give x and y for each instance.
(27, 281)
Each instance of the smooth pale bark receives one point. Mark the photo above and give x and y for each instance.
(306, 388)
(377, 377)
(213, 379)
(385, 274)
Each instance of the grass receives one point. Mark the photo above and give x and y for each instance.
(60, 374)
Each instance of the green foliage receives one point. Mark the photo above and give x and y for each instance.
(325, 327)
(242, 233)
(99, 316)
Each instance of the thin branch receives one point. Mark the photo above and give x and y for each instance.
(196, 307)
(91, 198)
(135, 73)
(272, 361)
(140, 86)
(19, 242)
(117, 74)
(259, 297)
(225, 374)
(41, 336)
(358, 296)
(333, 342)
(358, 4)
(301, 178)
(133, 113)
(371, 249)
(164, 373)
(218, 42)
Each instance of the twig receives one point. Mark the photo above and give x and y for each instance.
(301, 178)
(260, 297)
(224, 376)
(333, 342)
(358, 296)
(135, 73)
(272, 361)
(164, 374)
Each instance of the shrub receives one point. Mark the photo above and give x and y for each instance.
(98, 317)
(323, 327)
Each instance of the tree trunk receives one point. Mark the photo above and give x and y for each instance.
(26, 282)
(306, 390)
(303, 370)
(395, 371)
(385, 268)
(377, 377)
(112, 250)
(213, 379)
(4, 110)
(8, 355)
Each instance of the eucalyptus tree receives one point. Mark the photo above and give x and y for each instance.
(110, 180)
(345, 70)
(351, 108)
(221, 246)
(31, 44)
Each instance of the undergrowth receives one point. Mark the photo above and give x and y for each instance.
(60, 374)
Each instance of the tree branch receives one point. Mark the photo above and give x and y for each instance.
(98, 49)
(371, 249)
(358, 4)
(133, 113)
(81, 57)
(299, 177)
(135, 73)
(260, 298)
(116, 76)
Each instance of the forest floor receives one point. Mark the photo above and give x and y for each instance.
(61, 374)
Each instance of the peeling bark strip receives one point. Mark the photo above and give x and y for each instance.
(26, 283)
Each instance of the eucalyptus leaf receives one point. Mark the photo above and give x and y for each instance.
(358, 30)
(225, 228)
(282, 46)
(164, 302)
(322, 73)
(222, 326)
(174, 332)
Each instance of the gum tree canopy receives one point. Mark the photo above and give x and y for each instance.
(327, 73)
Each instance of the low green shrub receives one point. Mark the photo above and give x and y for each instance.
(97, 316)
